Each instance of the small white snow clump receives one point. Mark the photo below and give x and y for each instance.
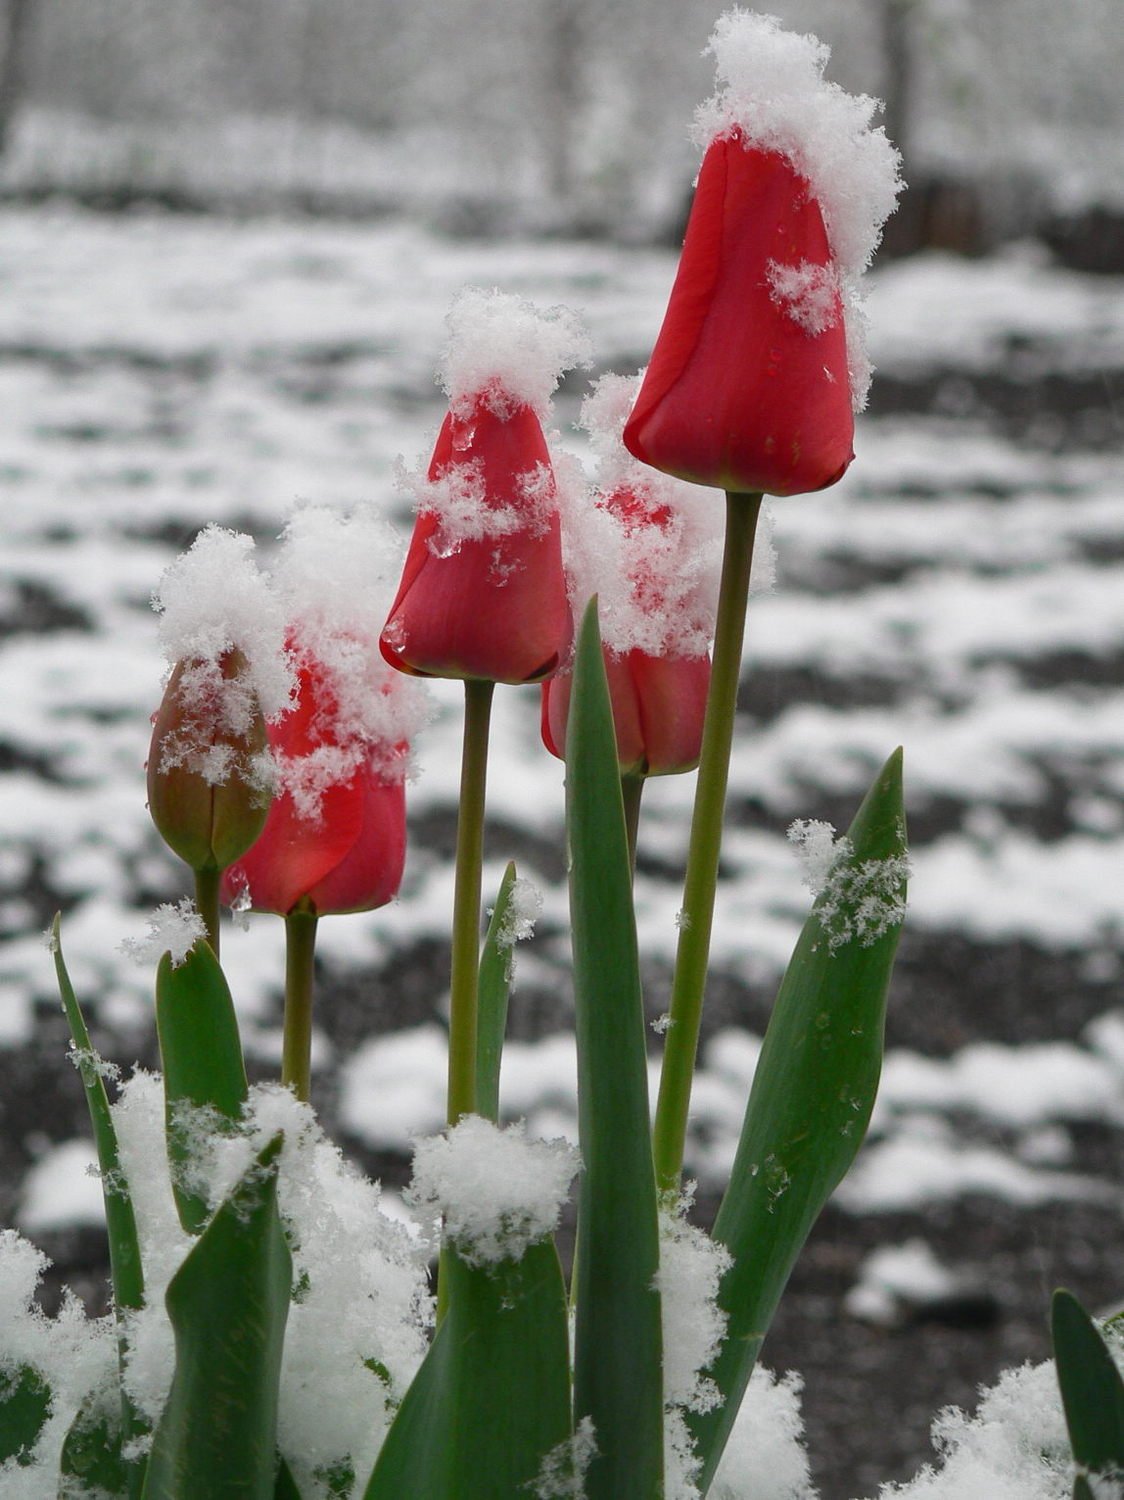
(525, 904)
(214, 599)
(855, 901)
(505, 350)
(172, 928)
(563, 1471)
(691, 1267)
(496, 1191)
(765, 1457)
(771, 89)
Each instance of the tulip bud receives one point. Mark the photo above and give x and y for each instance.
(205, 790)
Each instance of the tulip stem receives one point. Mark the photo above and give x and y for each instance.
(207, 904)
(465, 970)
(632, 790)
(296, 1051)
(692, 956)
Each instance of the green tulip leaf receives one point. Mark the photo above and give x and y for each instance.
(492, 1396)
(494, 988)
(1092, 1391)
(228, 1304)
(25, 1401)
(813, 1090)
(618, 1353)
(201, 1057)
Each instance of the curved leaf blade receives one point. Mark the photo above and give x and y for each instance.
(492, 1396)
(1091, 1387)
(228, 1304)
(618, 1350)
(25, 1402)
(812, 1095)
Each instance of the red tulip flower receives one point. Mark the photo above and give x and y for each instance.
(335, 837)
(483, 593)
(748, 387)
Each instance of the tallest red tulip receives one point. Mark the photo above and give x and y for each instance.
(748, 387)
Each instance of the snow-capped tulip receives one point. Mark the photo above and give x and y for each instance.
(483, 594)
(335, 838)
(748, 387)
(205, 790)
(658, 706)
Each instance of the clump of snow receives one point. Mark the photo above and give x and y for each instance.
(525, 903)
(1014, 1448)
(854, 901)
(496, 1191)
(214, 599)
(71, 1355)
(773, 94)
(563, 1471)
(174, 928)
(691, 1267)
(505, 351)
(334, 577)
(465, 512)
(808, 293)
(765, 1457)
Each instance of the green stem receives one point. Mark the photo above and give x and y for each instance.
(689, 982)
(300, 952)
(465, 971)
(207, 903)
(632, 790)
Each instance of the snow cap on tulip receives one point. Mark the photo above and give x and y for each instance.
(208, 767)
(335, 837)
(761, 362)
(483, 594)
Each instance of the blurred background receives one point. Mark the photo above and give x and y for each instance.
(229, 234)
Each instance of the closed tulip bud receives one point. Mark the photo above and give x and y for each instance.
(205, 781)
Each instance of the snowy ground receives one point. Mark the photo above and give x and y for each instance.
(961, 593)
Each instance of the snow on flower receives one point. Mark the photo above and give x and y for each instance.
(506, 350)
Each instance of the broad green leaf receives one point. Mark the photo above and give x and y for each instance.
(201, 1057)
(1092, 1390)
(492, 1396)
(120, 1221)
(25, 1400)
(91, 1452)
(494, 987)
(813, 1089)
(228, 1303)
(618, 1354)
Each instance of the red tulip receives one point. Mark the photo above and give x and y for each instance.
(658, 705)
(332, 842)
(748, 388)
(483, 594)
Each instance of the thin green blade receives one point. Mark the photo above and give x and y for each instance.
(91, 1452)
(618, 1353)
(228, 1304)
(494, 988)
(25, 1401)
(201, 1056)
(1091, 1387)
(120, 1221)
(492, 1397)
(813, 1090)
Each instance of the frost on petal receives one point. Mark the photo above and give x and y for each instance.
(809, 294)
(496, 1191)
(172, 928)
(505, 350)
